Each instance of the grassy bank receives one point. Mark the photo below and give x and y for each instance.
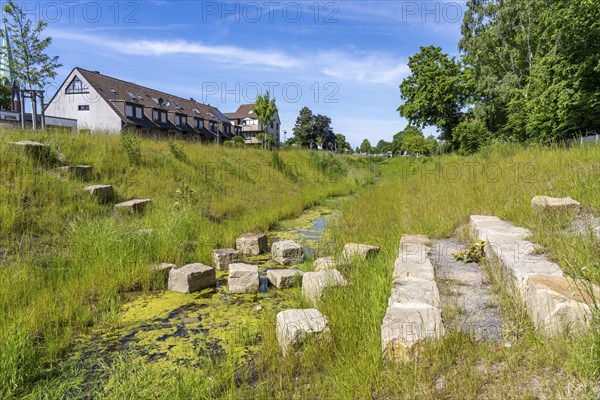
(67, 260)
(70, 261)
(435, 197)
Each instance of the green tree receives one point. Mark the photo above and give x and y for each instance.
(238, 139)
(32, 67)
(383, 147)
(398, 139)
(5, 95)
(434, 93)
(304, 130)
(431, 144)
(265, 110)
(323, 132)
(535, 67)
(342, 144)
(365, 147)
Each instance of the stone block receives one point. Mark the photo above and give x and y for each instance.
(83, 172)
(555, 204)
(284, 278)
(363, 251)
(293, 327)
(104, 193)
(134, 206)
(287, 252)
(38, 151)
(221, 258)
(324, 263)
(243, 278)
(314, 283)
(191, 278)
(251, 244)
(404, 327)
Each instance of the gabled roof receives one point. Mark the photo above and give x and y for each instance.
(115, 91)
(243, 111)
(246, 111)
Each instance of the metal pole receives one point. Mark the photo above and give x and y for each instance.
(22, 103)
(33, 109)
(43, 113)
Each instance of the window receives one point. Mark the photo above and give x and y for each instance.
(159, 116)
(180, 119)
(84, 107)
(76, 87)
(213, 126)
(227, 128)
(134, 111)
(199, 123)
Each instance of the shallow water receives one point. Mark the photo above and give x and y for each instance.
(176, 328)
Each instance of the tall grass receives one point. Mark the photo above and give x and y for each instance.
(68, 264)
(67, 260)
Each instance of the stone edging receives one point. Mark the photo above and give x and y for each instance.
(553, 301)
(414, 312)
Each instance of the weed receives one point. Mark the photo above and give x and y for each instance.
(474, 253)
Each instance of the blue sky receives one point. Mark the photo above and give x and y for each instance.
(344, 59)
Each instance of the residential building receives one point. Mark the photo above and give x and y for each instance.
(247, 125)
(101, 103)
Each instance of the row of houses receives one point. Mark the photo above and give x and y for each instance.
(101, 103)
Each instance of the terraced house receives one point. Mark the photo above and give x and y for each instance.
(102, 103)
(248, 125)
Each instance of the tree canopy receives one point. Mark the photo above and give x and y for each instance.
(31, 66)
(313, 130)
(265, 109)
(365, 147)
(530, 72)
(433, 94)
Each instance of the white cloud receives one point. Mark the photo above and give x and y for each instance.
(363, 67)
(356, 66)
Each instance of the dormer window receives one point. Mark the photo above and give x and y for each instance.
(159, 116)
(134, 111)
(76, 87)
(180, 119)
(199, 122)
(213, 126)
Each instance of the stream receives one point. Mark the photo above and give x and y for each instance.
(190, 329)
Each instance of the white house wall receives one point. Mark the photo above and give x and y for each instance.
(100, 117)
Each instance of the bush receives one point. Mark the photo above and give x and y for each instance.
(131, 146)
(238, 139)
(177, 151)
(471, 135)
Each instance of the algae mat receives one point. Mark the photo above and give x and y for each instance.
(178, 329)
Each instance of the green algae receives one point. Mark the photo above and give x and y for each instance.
(209, 326)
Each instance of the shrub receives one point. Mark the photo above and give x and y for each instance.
(471, 135)
(238, 139)
(131, 146)
(178, 152)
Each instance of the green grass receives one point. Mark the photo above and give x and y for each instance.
(69, 262)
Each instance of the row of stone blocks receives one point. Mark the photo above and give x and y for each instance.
(414, 312)
(554, 301)
(294, 327)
